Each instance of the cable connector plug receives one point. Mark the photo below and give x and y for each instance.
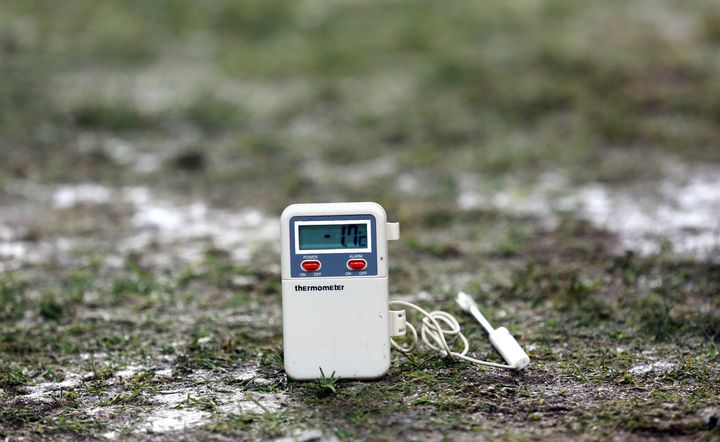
(392, 231)
(398, 323)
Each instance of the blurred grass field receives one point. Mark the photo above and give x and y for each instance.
(147, 145)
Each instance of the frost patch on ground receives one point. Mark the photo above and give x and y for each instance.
(175, 407)
(685, 212)
(185, 230)
(682, 210)
(15, 253)
(67, 196)
(163, 421)
(43, 392)
(165, 372)
(162, 221)
(658, 367)
(93, 356)
(308, 436)
(253, 402)
(111, 435)
(514, 196)
(13, 250)
(129, 371)
(186, 405)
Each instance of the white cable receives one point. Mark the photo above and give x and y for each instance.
(433, 335)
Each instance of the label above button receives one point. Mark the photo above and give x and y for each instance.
(356, 264)
(311, 265)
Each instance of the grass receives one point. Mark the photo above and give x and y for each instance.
(326, 385)
(416, 387)
(255, 105)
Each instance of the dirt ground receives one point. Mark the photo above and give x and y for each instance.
(560, 161)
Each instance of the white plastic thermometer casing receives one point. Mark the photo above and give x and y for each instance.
(335, 311)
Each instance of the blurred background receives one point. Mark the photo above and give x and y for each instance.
(451, 106)
(559, 159)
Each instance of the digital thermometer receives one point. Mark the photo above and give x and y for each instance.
(335, 290)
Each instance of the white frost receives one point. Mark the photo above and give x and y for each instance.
(43, 392)
(129, 371)
(660, 367)
(165, 372)
(175, 411)
(71, 195)
(682, 210)
(184, 229)
(163, 421)
(172, 223)
(685, 212)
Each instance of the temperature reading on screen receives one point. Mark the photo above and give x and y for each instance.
(332, 236)
(350, 236)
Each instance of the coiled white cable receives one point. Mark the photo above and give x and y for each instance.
(434, 335)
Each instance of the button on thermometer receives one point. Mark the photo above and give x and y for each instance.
(356, 264)
(310, 265)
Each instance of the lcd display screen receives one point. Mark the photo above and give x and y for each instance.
(332, 236)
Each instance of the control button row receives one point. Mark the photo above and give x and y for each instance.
(313, 265)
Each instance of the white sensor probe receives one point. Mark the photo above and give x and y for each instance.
(500, 338)
(438, 325)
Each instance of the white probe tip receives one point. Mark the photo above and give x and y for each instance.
(464, 301)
